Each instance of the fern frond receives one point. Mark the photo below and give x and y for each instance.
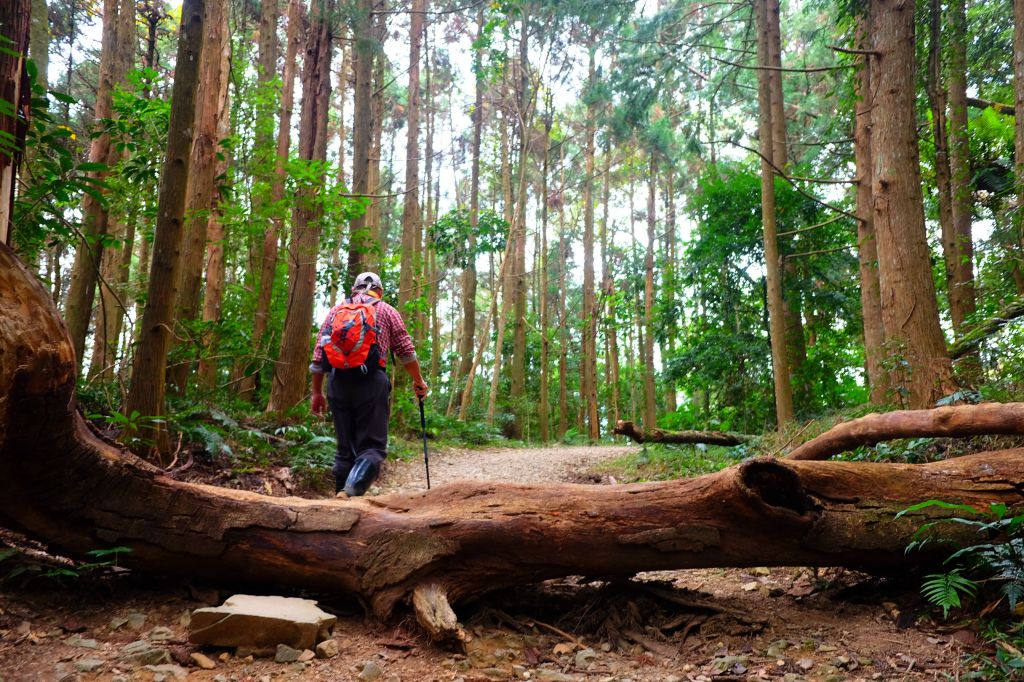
(944, 590)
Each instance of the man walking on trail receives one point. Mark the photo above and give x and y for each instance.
(351, 351)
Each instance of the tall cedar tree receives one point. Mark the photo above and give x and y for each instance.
(291, 372)
(14, 27)
(275, 226)
(867, 247)
(410, 255)
(958, 243)
(916, 349)
(588, 357)
(1018, 92)
(468, 276)
(116, 51)
(365, 48)
(773, 272)
(201, 195)
(147, 389)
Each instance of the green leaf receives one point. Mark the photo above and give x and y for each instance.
(91, 166)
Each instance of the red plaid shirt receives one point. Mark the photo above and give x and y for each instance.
(391, 333)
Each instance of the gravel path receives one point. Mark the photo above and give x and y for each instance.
(521, 465)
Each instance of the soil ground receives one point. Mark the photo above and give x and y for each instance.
(780, 624)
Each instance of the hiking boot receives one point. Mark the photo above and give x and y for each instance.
(360, 478)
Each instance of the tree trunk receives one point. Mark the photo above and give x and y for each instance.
(650, 420)
(374, 229)
(201, 194)
(455, 542)
(291, 371)
(264, 165)
(116, 51)
(773, 271)
(507, 280)
(39, 53)
(588, 356)
(959, 250)
(524, 114)
(111, 310)
(14, 26)
(275, 226)
(937, 99)
(146, 392)
(1018, 144)
(608, 286)
(909, 309)
(669, 287)
(213, 295)
(468, 277)
(867, 248)
(792, 305)
(410, 258)
(563, 294)
(364, 48)
(544, 407)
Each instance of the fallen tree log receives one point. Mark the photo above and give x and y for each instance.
(629, 429)
(987, 419)
(970, 341)
(63, 485)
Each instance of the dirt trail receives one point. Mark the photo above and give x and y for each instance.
(522, 465)
(788, 624)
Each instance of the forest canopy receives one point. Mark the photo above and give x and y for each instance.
(686, 215)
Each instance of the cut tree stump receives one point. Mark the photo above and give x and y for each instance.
(63, 485)
(629, 429)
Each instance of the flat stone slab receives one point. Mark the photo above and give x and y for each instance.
(249, 621)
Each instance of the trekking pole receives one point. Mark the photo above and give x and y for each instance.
(423, 426)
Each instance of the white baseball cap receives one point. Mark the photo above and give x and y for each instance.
(367, 280)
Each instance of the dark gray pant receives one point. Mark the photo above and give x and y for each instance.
(361, 409)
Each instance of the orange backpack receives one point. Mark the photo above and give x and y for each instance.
(352, 349)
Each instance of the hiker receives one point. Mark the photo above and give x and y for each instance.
(352, 348)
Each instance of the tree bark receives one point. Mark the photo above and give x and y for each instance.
(608, 290)
(275, 227)
(14, 26)
(922, 369)
(773, 271)
(544, 407)
(669, 286)
(213, 293)
(147, 389)
(867, 246)
(364, 48)
(410, 257)
(292, 368)
(506, 280)
(524, 124)
(1018, 144)
(468, 277)
(201, 194)
(116, 51)
(454, 542)
(588, 356)
(650, 398)
(959, 250)
(959, 420)
(628, 429)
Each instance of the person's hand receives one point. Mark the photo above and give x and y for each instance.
(421, 388)
(319, 404)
